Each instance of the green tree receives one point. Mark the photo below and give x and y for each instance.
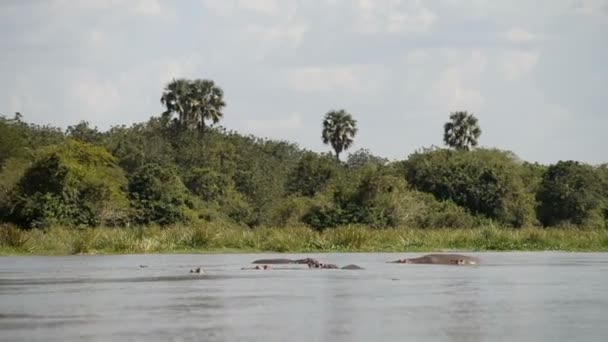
(462, 131)
(486, 182)
(363, 157)
(138, 145)
(339, 130)
(83, 132)
(158, 195)
(570, 192)
(12, 138)
(194, 102)
(175, 99)
(311, 174)
(74, 184)
(208, 184)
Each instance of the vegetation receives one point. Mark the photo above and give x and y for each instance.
(176, 174)
(194, 101)
(462, 131)
(295, 239)
(339, 130)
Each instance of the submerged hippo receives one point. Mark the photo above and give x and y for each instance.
(258, 267)
(352, 267)
(282, 261)
(274, 261)
(440, 259)
(312, 263)
(197, 270)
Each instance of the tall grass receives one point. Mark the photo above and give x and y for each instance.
(223, 238)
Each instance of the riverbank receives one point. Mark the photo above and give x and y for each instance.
(225, 239)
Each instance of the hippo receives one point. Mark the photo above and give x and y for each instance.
(312, 263)
(279, 261)
(275, 261)
(440, 259)
(197, 270)
(258, 267)
(352, 267)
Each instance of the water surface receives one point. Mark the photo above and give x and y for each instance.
(509, 297)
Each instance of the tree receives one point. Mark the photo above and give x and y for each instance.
(158, 195)
(486, 182)
(462, 131)
(311, 174)
(570, 192)
(207, 102)
(363, 157)
(194, 101)
(83, 132)
(74, 183)
(339, 130)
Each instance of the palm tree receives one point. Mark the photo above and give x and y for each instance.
(194, 101)
(339, 129)
(175, 99)
(462, 131)
(207, 103)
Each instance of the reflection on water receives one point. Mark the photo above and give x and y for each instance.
(509, 297)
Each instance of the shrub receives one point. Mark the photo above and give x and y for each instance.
(486, 182)
(73, 184)
(570, 192)
(158, 195)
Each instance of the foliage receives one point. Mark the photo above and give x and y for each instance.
(462, 131)
(84, 133)
(72, 184)
(19, 139)
(219, 237)
(339, 130)
(139, 145)
(165, 172)
(158, 196)
(486, 182)
(570, 192)
(312, 173)
(194, 101)
(363, 157)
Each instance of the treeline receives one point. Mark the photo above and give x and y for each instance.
(175, 168)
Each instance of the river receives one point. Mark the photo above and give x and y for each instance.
(540, 296)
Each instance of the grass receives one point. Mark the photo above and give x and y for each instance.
(220, 238)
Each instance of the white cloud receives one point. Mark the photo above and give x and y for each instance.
(96, 96)
(516, 64)
(221, 7)
(274, 128)
(335, 78)
(592, 7)
(519, 35)
(147, 7)
(458, 85)
(393, 16)
(268, 7)
(288, 33)
(136, 7)
(182, 67)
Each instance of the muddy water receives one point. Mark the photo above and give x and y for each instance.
(509, 297)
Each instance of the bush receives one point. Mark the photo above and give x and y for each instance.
(570, 192)
(158, 195)
(486, 182)
(71, 184)
(311, 174)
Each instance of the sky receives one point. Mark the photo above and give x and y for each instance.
(534, 73)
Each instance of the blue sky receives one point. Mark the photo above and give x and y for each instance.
(533, 72)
